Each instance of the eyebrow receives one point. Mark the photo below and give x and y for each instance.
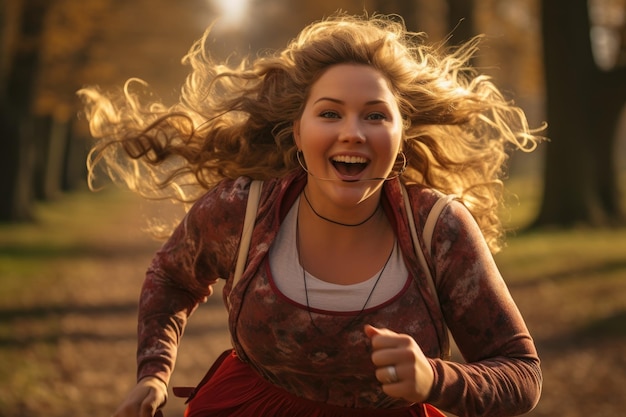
(335, 100)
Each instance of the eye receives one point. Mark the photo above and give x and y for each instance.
(376, 116)
(329, 114)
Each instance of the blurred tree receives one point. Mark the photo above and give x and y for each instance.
(17, 93)
(71, 29)
(584, 104)
(49, 49)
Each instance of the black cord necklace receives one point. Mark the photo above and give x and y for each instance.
(334, 221)
(306, 290)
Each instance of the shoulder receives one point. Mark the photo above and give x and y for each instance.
(422, 200)
(448, 210)
(421, 195)
(227, 194)
(220, 207)
(455, 230)
(227, 191)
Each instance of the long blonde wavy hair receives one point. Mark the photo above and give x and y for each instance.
(237, 119)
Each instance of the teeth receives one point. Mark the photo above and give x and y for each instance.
(349, 159)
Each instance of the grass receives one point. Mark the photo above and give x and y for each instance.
(66, 302)
(41, 265)
(541, 254)
(64, 229)
(579, 273)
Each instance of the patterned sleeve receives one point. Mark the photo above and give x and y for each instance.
(199, 252)
(501, 376)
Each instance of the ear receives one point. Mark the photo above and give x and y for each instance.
(296, 133)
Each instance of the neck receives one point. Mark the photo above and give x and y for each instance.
(317, 214)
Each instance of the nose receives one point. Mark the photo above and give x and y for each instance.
(352, 130)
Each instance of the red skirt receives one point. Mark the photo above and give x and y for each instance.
(235, 390)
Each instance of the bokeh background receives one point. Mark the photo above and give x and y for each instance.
(72, 261)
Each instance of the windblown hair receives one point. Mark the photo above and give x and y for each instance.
(236, 120)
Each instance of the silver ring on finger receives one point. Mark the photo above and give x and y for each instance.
(393, 374)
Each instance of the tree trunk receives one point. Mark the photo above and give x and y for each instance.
(51, 137)
(17, 159)
(580, 185)
(75, 170)
(606, 123)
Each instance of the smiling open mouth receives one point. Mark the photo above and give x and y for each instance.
(349, 165)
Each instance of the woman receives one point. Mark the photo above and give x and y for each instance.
(332, 315)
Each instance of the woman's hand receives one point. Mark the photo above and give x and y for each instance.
(143, 401)
(402, 367)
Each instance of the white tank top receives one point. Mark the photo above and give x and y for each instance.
(287, 274)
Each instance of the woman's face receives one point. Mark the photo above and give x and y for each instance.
(349, 133)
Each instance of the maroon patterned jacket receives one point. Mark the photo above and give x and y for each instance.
(274, 335)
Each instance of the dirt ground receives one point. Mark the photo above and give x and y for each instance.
(76, 340)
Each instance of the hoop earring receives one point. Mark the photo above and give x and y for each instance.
(401, 170)
(300, 158)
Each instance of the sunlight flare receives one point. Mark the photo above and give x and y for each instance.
(232, 12)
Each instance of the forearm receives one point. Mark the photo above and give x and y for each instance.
(496, 387)
(159, 337)
(164, 308)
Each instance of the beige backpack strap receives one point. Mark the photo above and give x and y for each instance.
(429, 228)
(254, 196)
(432, 218)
